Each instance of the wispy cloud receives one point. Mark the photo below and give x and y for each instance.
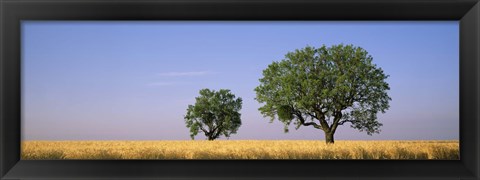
(191, 73)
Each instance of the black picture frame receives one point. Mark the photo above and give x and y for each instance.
(12, 12)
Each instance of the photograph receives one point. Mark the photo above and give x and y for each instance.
(240, 90)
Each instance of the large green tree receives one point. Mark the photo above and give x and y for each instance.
(323, 88)
(215, 113)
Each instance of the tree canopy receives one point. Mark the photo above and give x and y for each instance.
(323, 88)
(215, 113)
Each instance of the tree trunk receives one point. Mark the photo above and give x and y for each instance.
(329, 138)
(211, 138)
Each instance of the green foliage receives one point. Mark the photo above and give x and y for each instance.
(325, 87)
(215, 113)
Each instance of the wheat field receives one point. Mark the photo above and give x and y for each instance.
(240, 149)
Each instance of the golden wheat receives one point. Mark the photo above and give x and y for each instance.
(240, 149)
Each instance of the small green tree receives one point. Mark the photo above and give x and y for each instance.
(323, 88)
(214, 113)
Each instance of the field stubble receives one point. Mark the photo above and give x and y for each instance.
(240, 149)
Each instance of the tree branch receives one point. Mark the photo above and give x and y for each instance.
(345, 121)
(302, 121)
(338, 116)
(218, 129)
(312, 115)
(203, 129)
(322, 120)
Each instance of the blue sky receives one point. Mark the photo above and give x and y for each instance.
(101, 80)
